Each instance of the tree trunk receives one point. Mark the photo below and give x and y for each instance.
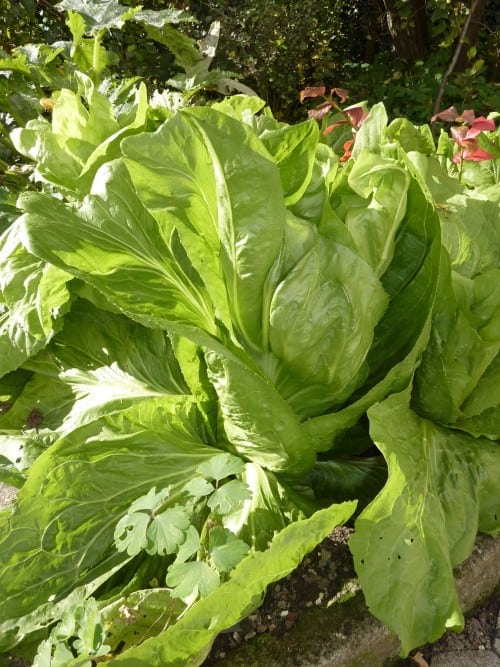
(409, 35)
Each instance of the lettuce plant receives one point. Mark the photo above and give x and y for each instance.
(234, 342)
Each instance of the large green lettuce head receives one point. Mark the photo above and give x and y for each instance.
(222, 287)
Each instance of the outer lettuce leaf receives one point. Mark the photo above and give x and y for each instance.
(61, 534)
(270, 437)
(273, 505)
(465, 339)
(231, 238)
(293, 148)
(441, 490)
(84, 134)
(326, 431)
(98, 364)
(469, 219)
(410, 282)
(33, 297)
(114, 244)
(481, 409)
(187, 643)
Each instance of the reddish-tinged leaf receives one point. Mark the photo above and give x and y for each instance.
(467, 116)
(460, 135)
(472, 153)
(356, 116)
(484, 124)
(347, 150)
(340, 92)
(448, 115)
(320, 111)
(318, 91)
(331, 127)
(476, 155)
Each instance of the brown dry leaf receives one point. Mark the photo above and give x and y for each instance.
(419, 660)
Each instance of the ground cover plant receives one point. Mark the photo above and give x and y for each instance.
(222, 336)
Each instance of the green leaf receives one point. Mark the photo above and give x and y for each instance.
(87, 371)
(143, 613)
(232, 240)
(382, 186)
(91, 635)
(117, 247)
(86, 131)
(370, 135)
(130, 533)
(222, 465)
(293, 149)
(198, 487)
(159, 18)
(193, 579)
(99, 14)
(225, 549)
(190, 639)
(423, 522)
(114, 461)
(190, 545)
(271, 437)
(229, 496)
(33, 297)
(411, 137)
(323, 317)
(167, 531)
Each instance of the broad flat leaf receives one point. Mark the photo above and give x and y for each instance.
(293, 148)
(371, 133)
(465, 340)
(81, 487)
(159, 18)
(411, 137)
(423, 522)
(90, 630)
(189, 640)
(270, 437)
(190, 545)
(410, 281)
(99, 14)
(85, 132)
(231, 239)
(229, 496)
(272, 506)
(116, 246)
(225, 549)
(188, 580)
(143, 614)
(33, 297)
(87, 371)
(167, 531)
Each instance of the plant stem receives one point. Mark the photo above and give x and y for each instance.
(454, 60)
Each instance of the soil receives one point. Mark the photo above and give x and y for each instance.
(325, 576)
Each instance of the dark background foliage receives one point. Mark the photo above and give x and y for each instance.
(395, 51)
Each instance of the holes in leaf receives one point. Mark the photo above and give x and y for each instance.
(362, 561)
(399, 557)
